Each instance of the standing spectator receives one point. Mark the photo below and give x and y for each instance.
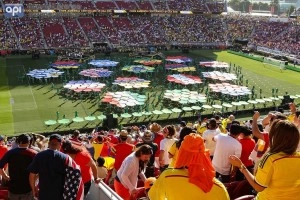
(89, 146)
(192, 178)
(75, 139)
(87, 165)
(18, 159)
(122, 150)
(165, 144)
(226, 145)
(173, 151)
(112, 136)
(209, 134)
(49, 166)
(158, 136)
(148, 139)
(133, 166)
(248, 145)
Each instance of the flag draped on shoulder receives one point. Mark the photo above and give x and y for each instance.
(73, 186)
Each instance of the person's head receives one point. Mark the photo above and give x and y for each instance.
(155, 127)
(148, 136)
(277, 115)
(235, 130)
(2, 140)
(100, 161)
(55, 141)
(231, 117)
(23, 140)
(144, 153)
(183, 124)
(123, 135)
(169, 131)
(76, 133)
(284, 137)
(184, 132)
(193, 155)
(68, 148)
(212, 124)
(217, 117)
(246, 131)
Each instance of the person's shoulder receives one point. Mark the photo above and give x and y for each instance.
(172, 172)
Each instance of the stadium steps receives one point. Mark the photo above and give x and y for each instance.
(83, 32)
(102, 33)
(153, 7)
(15, 35)
(284, 32)
(42, 34)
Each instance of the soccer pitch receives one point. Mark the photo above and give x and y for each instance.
(24, 105)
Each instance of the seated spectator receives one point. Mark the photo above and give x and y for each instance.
(277, 175)
(186, 181)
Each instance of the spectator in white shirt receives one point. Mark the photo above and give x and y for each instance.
(226, 145)
(133, 166)
(209, 134)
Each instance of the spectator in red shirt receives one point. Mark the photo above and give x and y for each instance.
(113, 138)
(87, 165)
(248, 145)
(158, 136)
(122, 150)
(3, 147)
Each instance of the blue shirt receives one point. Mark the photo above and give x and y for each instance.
(50, 165)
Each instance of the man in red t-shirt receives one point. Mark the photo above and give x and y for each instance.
(248, 145)
(122, 150)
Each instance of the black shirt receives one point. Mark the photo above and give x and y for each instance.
(18, 160)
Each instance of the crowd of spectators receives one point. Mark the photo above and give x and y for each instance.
(141, 30)
(249, 155)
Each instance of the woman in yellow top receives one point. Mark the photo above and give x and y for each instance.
(277, 175)
(173, 151)
(193, 176)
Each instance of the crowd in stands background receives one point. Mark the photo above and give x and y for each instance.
(128, 33)
(215, 159)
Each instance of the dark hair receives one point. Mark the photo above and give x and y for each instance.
(68, 148)
(23, 139)
(217, 117)
(143, 150)
(184, 132)
(284, 137)
(170, 129)
(76, 133)
(235, 129)
(100, 161)
(212, 124)
(245, 130)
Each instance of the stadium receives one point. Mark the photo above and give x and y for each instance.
(103, 65)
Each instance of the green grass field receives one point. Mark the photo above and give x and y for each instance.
(25, 105)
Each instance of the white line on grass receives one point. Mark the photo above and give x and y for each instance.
(36, 107)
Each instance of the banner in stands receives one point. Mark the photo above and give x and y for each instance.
(13, 10)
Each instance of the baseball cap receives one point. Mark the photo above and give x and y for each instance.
(55, 138)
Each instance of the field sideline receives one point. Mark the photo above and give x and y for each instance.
(24, 106)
